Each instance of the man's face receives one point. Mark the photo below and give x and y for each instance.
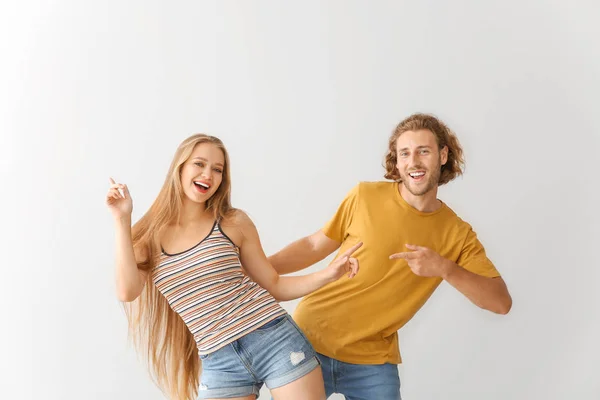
(419, 161)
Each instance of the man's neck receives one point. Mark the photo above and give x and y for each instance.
(427, 202)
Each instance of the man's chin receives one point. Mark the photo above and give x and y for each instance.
(417, 191)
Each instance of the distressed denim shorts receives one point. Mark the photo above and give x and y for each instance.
(275, 354)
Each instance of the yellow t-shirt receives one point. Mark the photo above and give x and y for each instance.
(356, 320)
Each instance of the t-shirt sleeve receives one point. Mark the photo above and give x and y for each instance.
(337, 227)
(473, 257)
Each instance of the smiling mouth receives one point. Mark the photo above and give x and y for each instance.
(417, 176)
(202, 187)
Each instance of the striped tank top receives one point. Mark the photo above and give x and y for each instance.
(206, 286)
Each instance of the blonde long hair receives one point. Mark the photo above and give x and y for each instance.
(158, 332)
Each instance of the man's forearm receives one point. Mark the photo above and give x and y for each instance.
(488, 293)
(295, 257)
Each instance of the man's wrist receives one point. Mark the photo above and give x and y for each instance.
(449, 268)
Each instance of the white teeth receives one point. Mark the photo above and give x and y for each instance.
(416, 174)
(204, 185)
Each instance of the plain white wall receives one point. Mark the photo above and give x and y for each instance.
(304, 94)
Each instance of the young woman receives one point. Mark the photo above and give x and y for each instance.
(205, 292)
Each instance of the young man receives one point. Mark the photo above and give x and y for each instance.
(411, 243)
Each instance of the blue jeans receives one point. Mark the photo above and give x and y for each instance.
(360, 382)
(275, 354)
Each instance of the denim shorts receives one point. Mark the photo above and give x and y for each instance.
(275, 354)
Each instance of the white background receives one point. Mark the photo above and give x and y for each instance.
(304, 94)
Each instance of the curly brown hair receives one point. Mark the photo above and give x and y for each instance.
(444, 136)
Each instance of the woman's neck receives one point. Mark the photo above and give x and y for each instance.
(192, 213)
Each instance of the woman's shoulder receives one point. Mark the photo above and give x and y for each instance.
(235, 224)
(237, 218)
